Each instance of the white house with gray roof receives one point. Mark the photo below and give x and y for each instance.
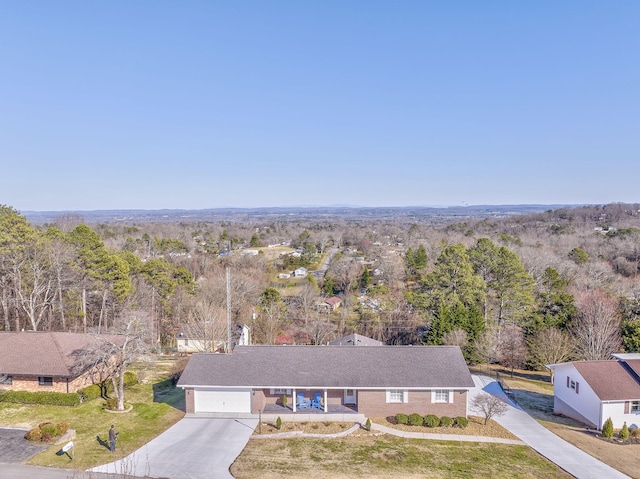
(374, 381)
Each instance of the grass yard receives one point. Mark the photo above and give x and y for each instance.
(385, 457)
(156, 406)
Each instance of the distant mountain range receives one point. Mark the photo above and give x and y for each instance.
(436, 214)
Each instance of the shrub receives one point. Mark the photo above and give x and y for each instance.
(634, 432)
(278, 423)
(367, 425)
(48, 428)
(624, 432)
(34, 434)
(402, 419)
(49, 398)
(446, 421)
(431, 420)
(111, 404)
(45, 431)
(91, 392)
(607, 428)
(284, 400)
(461, 422)
(415, 419)
(130, 379)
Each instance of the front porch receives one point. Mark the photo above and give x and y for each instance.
(335, 413)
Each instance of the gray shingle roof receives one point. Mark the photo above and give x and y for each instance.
(330, 366)
(44, 353)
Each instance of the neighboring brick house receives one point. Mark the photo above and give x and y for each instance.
(49, 361)
(593, 391)
(375, 381)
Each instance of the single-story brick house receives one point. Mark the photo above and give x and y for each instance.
(49, 361)
(376, 381)
(593, 391)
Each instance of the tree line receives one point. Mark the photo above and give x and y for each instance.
(523, 290)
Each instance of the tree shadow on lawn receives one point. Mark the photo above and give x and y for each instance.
(166, 392)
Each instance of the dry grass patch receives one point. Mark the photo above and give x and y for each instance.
(476, 427)
(378, 457)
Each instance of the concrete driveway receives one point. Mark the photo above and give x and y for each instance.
(573, 460)
(193, 448)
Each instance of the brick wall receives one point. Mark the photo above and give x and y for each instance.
(373, 404)
(60, 385)
(189, 400)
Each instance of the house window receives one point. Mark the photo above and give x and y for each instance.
(281, 391)
(6, 380)
(573, 385)
(441, 395)
(635, 407)
(45, 381)
(397, 395)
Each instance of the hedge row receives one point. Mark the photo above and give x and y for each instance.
(431, 420)
(48, 398)
(51, 398)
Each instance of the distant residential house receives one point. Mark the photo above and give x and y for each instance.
(328, 305)
(50, 361)
(376, 382)
(592, 391)
(355, 340)
(245, 338)
(198, 338)
(300, 272)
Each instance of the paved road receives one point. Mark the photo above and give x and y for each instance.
(573, 460)
(193, 448)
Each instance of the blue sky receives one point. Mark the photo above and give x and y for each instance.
(204, 104)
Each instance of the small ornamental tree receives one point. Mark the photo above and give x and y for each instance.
(278, 423)
(367, 425)
(488, 406)
(624, 432)
(607, 428)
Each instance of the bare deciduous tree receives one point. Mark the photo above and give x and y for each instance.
(457, 337)
(597, 327)
(488, 406)
(551, 346)
(513, 349)
(115, 353)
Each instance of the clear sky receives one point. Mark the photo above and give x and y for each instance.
(200, 104)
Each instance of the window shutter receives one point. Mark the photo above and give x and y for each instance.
(451, 396)
(433, 397)
(626, 407)
(388, 396)
(405, 396)
(577, 387)
(568, 382)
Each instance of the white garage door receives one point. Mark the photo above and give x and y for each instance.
(222, 400)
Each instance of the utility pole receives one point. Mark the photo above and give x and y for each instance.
(228, 271)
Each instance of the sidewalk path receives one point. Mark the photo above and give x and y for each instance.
(568, 457)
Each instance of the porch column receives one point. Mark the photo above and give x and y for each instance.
(326, 405)
(294, 399)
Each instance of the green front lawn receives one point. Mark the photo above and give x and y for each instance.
(156, 406)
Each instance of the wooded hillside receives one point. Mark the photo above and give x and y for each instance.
(521, 290)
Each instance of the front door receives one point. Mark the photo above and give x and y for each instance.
(349, 396)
